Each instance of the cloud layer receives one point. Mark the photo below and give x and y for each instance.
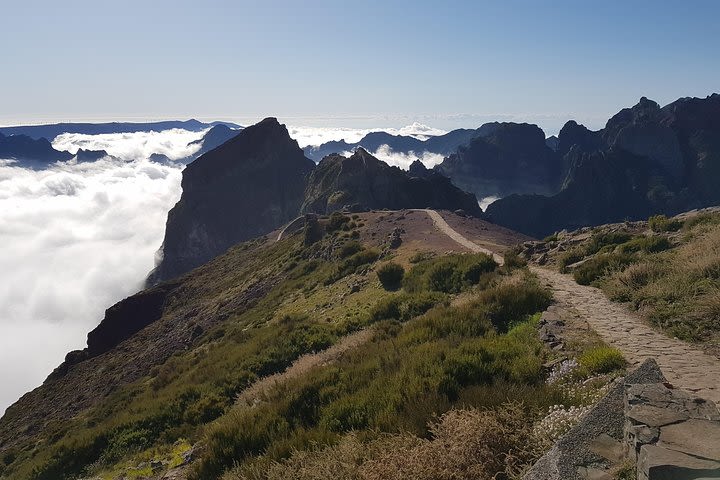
(75, 239)
(318, 135)
(132, 146)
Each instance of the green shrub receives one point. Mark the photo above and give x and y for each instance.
(652, 244)
(512, 301)
(568, 258)
(421, 257)
(601, 360)
(601, 241)
(350, 248)
(404, 306)
(337, 221)
(391, 275)
(449, 274)
(352, 263)
(600, 265)
(661, 223)
(551, 238)
(512, 259)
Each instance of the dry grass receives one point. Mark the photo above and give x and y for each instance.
(465, 444)
(679, 290)
(257, 391)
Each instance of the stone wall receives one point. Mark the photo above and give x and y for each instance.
(670, 433)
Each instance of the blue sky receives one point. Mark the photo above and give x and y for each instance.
(445, 63)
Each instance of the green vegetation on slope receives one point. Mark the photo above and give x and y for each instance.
(671, 274)
(455, 352)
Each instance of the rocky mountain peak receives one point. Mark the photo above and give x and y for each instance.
(245, 188)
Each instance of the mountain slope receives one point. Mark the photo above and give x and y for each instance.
(248, 314)
(245, 188)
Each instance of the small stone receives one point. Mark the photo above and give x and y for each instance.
(658, 463)
(700, 438)
(653, 416)
(608, 448)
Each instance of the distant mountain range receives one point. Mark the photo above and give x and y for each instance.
(647, 160)
(29, 152)
(440, 144)
(51, 131)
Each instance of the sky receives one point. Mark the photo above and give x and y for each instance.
(359, 64)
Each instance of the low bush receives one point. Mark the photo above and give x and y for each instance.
(601, 360)
(450, 274)
(513, 300)
(336, 222)
(404, 306)
(570, 257)
(605, 241)
(349, 248)
(351, 264)
(653, 244)
(661, 223)
(391, 275)
(600, 265)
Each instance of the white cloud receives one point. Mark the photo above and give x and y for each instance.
(485, 201)
(318, 135)
(75, 240)
(418, 130)
(132, 146)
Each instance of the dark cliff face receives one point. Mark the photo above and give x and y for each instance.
(509, 158)
(30, 152)
(363, 180)
(647, 160)
(121, 321)
(243, 189)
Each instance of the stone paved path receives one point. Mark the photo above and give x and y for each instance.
(684, 365)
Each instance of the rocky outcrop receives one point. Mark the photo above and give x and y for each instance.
(643, 131)
(243, 189)
(508, 158)
(647, 160)
(121, 321)
(90, 155)
(29, 152)
(363, 180)
(418, 169)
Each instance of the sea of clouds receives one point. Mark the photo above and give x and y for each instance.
(77, 238)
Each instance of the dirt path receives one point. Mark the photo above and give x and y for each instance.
(443, 226)
(684, 365)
